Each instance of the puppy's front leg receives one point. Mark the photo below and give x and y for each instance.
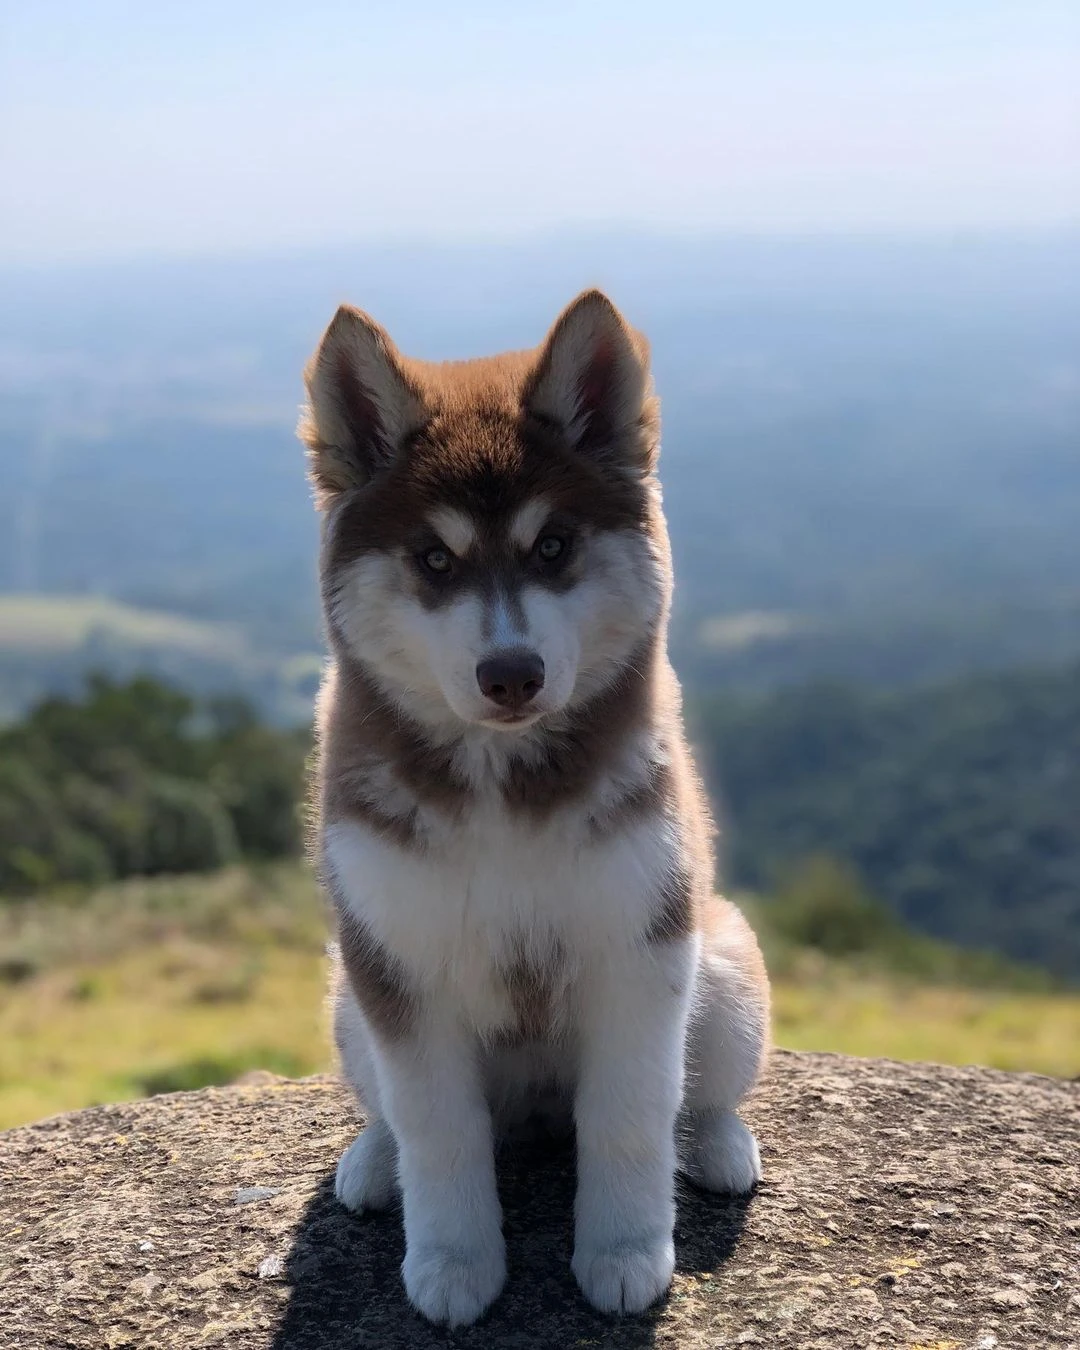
(455, 1261)
(633, 1030)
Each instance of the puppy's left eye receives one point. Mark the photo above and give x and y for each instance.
(550, 547)
(437, 560)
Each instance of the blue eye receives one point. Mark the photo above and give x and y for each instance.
(550, 547)
(437, 560)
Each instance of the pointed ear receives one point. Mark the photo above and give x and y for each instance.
(361, 404)
(592, 381)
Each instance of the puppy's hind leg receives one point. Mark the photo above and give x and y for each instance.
(726, 1048)
(367, 1173)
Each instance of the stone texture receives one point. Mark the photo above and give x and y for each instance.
(904, 1205)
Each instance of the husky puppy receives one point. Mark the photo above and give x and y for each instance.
(509, 824)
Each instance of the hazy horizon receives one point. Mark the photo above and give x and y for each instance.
(555, 238)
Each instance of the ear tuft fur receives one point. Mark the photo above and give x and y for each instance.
(361, 404)
(593, 381)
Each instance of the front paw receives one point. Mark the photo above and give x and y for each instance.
(625, 1278)
(453, 1284)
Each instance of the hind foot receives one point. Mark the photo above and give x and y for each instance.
(367, 1173)
(718, 1152)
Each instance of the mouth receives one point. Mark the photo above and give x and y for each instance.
(512, 721)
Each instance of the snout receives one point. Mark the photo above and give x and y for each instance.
(511, 679)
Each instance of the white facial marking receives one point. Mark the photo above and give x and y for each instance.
(550, 621)
(505, 630)
(526, 522)
(426, 659)
(456, 530)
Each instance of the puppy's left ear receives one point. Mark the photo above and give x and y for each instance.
(592, 382)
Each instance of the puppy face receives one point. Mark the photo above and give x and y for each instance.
(493, 549)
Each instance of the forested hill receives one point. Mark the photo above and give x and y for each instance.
(958, 803)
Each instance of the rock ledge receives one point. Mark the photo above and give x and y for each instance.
(904, 1205)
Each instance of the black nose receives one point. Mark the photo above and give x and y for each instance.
(511, 679)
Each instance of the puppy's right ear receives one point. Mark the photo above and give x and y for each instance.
(361, 405)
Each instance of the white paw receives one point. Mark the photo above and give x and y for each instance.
(719, 1152)
(367, 1173)
(626, 1278)
(452, 1284)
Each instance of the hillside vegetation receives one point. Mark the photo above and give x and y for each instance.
(119, 977)
(136, 779)
(156, 985)
(50, 643)
(958, 803)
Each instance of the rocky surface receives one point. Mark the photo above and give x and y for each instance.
(904, 1205)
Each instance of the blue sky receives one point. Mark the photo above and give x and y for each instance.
(141, 128)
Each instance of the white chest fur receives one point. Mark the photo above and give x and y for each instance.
(497, 887)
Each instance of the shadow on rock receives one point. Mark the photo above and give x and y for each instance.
(346, 1291)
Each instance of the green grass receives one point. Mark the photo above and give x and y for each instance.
(159, 985)
(739, 632)
(44, 637)
(162, 985)
(56, 624)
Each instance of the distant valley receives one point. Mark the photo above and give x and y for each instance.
(871, 451)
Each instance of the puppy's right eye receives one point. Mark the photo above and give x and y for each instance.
(437, 560)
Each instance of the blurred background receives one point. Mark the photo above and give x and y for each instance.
(852, 233)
